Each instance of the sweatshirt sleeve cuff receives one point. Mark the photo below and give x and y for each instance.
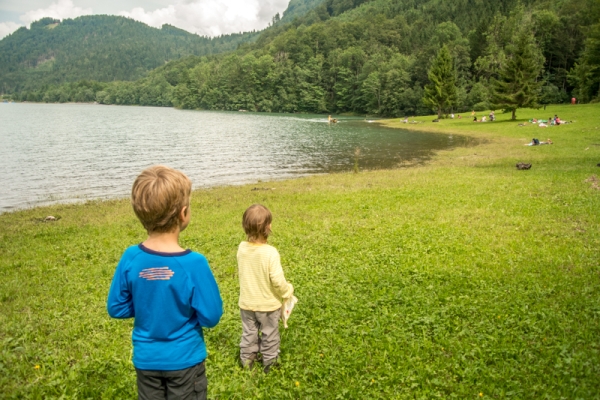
(289, 292)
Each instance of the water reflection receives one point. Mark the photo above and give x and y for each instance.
(60, 153)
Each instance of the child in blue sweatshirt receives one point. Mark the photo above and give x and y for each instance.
(169, 291)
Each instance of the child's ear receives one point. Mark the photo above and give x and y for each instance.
(183, 213)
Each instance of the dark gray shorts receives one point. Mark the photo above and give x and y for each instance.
(185, 384)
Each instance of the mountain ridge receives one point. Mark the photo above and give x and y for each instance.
(106, 48)
(98, 47)
(370, 57)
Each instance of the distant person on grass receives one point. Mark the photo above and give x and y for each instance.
(262, 289)
(170, 291)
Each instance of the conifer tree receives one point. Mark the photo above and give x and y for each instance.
(586, 74)
(440, 94)
(517, 85)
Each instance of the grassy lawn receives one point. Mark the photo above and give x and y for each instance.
(462, 278)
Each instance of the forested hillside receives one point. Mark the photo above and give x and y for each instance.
(100, 47)
(299, 8)
(376, 57)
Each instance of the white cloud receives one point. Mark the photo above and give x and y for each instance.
(6, 28)
(204, 17)
(212, 17)
(60, 10)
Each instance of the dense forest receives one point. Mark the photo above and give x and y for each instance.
(100, 47)
(377, 57)
(299, 8)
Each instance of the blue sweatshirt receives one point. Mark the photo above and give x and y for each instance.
(171, 296)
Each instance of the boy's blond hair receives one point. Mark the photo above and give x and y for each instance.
(256, 221)
(158, 195)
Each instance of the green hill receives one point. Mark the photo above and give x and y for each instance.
(299, 8)
(372, 57)
(98, 47)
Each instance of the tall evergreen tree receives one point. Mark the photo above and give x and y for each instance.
(517, 85)
(440, 94)
(586, 74)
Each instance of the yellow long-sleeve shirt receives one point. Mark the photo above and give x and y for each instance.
(262, 283)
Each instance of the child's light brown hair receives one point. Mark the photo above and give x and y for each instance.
(158, 195)
(256, 222)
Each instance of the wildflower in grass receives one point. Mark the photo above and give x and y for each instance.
(297, 384)
(480, 394)
(373, 380)
(37, 367)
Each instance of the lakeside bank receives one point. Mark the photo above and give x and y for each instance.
(580, 134)
(463, 276)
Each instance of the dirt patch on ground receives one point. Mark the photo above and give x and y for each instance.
(594, 181)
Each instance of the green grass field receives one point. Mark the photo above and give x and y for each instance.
(462, 278)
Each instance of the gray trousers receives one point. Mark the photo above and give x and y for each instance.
(267, 323)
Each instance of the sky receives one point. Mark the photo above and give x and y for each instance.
(204, 17)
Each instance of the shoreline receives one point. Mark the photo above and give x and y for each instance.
(441, 158)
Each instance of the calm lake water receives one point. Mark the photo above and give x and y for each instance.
(71, 152)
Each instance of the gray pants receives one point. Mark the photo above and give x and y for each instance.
(268, 343)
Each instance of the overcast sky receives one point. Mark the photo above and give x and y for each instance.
(204, 17)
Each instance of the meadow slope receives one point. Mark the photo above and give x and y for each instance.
(462, 278)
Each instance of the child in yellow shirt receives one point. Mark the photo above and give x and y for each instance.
(262, 288)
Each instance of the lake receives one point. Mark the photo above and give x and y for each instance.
(54, 153)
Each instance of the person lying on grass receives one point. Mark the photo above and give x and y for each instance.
(262, 288)
(171, 292)
(536, 142)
